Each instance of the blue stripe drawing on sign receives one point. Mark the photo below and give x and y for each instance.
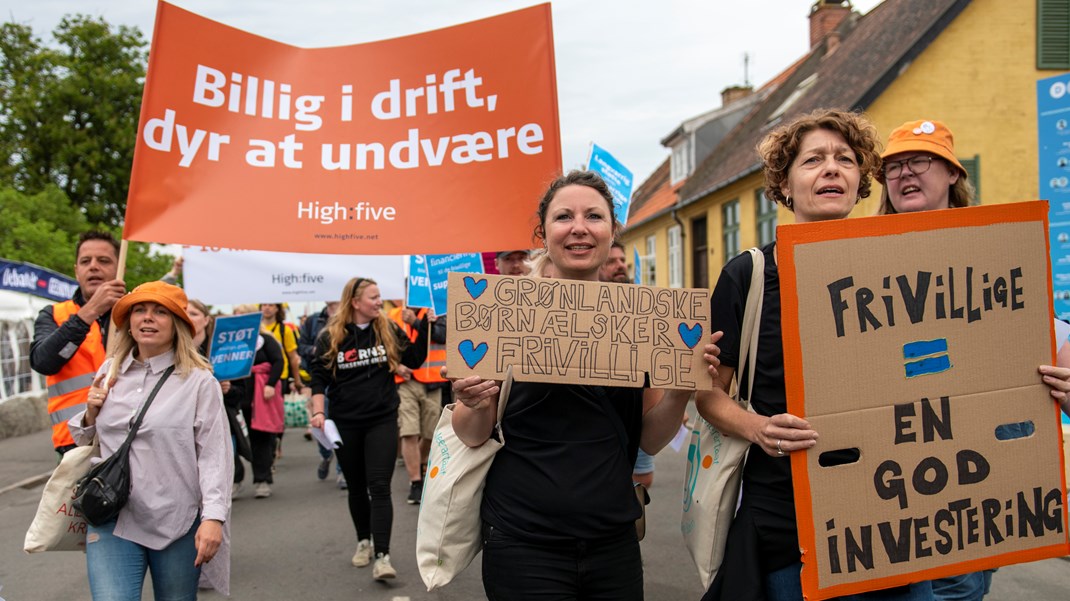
(418, 286)
(233, 346)
(927, 357)
(617, 177)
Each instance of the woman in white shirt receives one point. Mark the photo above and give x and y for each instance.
(180, 459)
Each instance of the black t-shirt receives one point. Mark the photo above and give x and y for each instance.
(564, 473)
(767, 482)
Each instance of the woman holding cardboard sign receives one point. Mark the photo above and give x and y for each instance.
(558, 507)
(818, 166)
(922, 173)
(359, 352)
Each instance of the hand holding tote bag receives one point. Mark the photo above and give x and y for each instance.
(58, 526)
(715, 461)
(448, 531)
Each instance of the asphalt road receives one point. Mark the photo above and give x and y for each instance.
(298, 543)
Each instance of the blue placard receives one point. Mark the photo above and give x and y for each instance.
(38, 281)
(418, 286)
(638, 272)
(233, 346)
(617, 177)
(439, 268)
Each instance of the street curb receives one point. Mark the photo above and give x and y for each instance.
(30, 482)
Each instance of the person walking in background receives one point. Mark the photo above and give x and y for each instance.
(70, 338)
(180, 463)
(358, 354)
(420, 392)
(306, 347)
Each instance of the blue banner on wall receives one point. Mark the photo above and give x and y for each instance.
(1053, 135)
(38, 281)
(618, 178)
(233, 346)
(418, 286)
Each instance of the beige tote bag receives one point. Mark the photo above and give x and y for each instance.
(57, 525)
(449, 529)
(715, 461)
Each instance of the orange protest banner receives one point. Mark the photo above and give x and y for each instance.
(432, 143)
(911, 345)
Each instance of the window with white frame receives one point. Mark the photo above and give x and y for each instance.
(681, 161)
(730, 229)
(648, 261)
(676, 257)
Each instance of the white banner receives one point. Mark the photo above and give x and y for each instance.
(227, 276)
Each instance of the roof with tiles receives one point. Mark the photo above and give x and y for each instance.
(654, 195)
(871, 53)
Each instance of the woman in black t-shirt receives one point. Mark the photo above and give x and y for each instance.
(818, 166)
(558, 508)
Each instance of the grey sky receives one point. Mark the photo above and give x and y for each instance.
(628, 71)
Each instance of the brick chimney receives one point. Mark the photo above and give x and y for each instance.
(825, 16)
(733, 93)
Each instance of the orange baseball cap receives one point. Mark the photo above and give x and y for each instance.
(171, 297)
(924, 135)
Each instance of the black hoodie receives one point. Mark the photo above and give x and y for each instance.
(361, 386)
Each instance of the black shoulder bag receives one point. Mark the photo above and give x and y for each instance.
(103, 491)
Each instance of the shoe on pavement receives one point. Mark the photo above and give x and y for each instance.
(263, 490)
(342, 485)
(235, 489)
(324, 467)
(382, 570)
(363, 556)
(416, 491)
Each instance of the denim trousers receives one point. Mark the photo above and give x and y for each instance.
(608, 569)
(784, 585)
(117, 567)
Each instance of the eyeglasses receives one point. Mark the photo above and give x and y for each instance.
(918, 165)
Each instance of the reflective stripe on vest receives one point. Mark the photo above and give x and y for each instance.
(68, 388)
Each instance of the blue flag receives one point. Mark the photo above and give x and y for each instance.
(233, 346)
(617, 177)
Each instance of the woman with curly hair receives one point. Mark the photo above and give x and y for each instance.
(818, 166)
(359, 352)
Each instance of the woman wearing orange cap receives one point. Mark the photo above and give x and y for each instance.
(921, 173)
(180, 459)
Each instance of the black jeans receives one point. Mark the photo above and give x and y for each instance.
(609, 569)
(263, 445)
(367, 457)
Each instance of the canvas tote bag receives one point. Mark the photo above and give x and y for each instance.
(58, 526)
(449, 529)
(715, 461)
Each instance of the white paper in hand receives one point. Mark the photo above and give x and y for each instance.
(327, 436)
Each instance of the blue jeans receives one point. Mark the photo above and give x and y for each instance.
(967, 587)
(785, 585)
(117, 567)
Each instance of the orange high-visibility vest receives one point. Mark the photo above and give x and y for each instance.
(431, 371)
(68, 389)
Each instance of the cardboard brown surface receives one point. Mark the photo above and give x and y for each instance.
(920, 394)
(569, 331)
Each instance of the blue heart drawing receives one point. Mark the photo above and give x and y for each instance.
(473, 353)
(690, 335)
(476, 289)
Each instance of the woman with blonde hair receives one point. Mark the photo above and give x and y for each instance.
(180, 459)
(359, 352)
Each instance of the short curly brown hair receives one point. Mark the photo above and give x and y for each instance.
(780, 147)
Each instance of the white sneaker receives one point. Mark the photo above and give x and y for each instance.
(235, 489)
(382, 570)
(263, 490)
(363, 556)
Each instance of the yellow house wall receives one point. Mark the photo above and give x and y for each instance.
(979, 77)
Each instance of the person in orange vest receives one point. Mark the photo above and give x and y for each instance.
(421, 398)
(70, 338)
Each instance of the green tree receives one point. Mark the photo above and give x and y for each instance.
(69, 112)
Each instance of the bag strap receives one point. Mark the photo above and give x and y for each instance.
(752, 319)
(503, 395)
(141, 414)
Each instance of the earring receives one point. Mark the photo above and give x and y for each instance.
(787, 202)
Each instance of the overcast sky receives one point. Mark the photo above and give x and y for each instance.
(628, 71)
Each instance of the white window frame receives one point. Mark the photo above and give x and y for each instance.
(676, 257)
(649, 261)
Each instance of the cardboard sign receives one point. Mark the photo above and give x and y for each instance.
(575, 332)
(913, 341)
(228, 276)
(340, 150)
(233, 346)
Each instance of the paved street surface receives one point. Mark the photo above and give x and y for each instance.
(298, 543)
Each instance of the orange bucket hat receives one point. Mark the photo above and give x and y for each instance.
(171, 297)
(924, 135)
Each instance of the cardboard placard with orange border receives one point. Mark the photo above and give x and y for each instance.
(393, 147)
(577, 332)
(911, 345)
